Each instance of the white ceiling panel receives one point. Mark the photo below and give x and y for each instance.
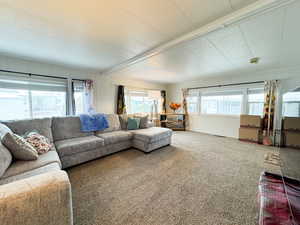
(163, 16)
(291, 36)
(231, 42)
(238, 4)
(264, 34)
(203, 12)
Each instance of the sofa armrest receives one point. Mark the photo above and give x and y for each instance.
(38, 200)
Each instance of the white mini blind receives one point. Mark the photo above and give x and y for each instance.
(36, 83)
(222, 93)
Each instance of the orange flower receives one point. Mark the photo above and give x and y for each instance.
(174, 106)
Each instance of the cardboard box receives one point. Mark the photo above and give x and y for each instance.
(250, 134)
(291, 123)
(250, 121)
(291, 139)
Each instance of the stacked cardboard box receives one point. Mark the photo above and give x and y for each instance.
(250, 128)
(291, 132)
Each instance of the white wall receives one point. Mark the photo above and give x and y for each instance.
(21, 65)
(229, 125)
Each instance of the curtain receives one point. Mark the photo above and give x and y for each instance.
(121, 107)
(73, 98)
(164, 102)
(270, 89)
(89, 97)
(185, 94)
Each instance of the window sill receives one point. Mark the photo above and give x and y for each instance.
(215, 115)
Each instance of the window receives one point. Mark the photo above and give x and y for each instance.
(192, 104)
(79, 97)
(291, 104)
(226, 103)
(256, 101)
(14, 104)
(193, 101)
(142, 101)
(47, 104)
(32, 97)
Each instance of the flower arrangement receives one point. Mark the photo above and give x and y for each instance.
(174, 106)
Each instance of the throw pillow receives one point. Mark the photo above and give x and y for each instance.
(143, 121)
(133, 123)
(19, 147)
(123, 121)
(39, 142)
(5, 159)
(3, 130)
(113, 122)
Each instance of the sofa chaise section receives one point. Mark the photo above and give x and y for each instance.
(151, 138)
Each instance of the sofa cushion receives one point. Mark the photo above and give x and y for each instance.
(115, 136)
(5, 159)
(113, 122)
(67, 127)
(80, 144)
(42, 126)
(44, 169)
(152, 134)
(20, 166)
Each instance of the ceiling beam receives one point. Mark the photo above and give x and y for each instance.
(257, 8)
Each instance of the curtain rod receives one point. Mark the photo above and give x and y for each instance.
(226, 85)
(38, 75)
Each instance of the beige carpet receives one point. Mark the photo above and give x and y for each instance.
(200, 179)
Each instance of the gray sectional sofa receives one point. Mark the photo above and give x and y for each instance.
(39, 192)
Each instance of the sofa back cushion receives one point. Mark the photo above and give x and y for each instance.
(113, 124)
(67, 127)
(42, 126)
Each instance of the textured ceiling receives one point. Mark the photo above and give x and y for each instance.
(98, 34)
(272, 36)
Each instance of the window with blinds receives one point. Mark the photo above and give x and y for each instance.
(256, 101)
(23, 97)
(78, 97)
(291, 104)
(224, 103)
(193, 101)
